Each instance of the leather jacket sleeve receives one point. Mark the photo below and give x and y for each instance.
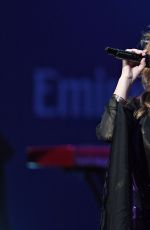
(104, 130)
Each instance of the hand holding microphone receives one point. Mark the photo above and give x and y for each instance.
(134, 61)
(130, 54)
(132, 69)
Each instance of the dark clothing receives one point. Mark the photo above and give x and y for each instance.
(129, 167)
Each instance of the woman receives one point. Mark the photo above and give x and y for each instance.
(126, 124)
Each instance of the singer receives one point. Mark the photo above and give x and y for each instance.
(126, 125)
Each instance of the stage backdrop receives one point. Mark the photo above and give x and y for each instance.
(56, 79)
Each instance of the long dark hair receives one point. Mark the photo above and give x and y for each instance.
(145, 97)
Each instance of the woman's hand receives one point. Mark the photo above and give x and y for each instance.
(130, 70)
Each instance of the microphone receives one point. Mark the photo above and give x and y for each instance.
(122, 54)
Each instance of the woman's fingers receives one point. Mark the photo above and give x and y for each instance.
(142, 64)
(142, 52)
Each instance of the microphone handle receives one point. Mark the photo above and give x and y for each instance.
(122, 54)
